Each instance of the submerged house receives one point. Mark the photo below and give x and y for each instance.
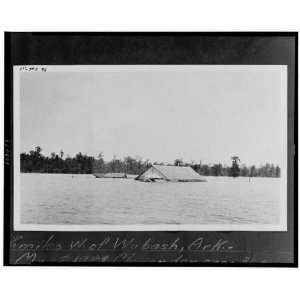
(110, 175)
(170, 173)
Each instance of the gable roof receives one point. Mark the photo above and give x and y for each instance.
(177, 173)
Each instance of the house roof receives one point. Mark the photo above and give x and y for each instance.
(177, 173)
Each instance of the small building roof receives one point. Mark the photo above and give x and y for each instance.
(110, 175)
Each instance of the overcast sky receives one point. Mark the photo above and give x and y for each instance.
(207, 114)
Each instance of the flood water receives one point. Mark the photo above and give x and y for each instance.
(84, 199)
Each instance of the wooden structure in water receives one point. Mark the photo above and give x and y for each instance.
(110, 175)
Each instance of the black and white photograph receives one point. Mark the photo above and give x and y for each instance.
(150, 151)
(150, 147)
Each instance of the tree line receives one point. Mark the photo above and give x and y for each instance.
(36, 162)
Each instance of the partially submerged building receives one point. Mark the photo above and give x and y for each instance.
(170, 173)
(110, 175)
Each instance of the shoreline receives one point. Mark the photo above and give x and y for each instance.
(93, 174)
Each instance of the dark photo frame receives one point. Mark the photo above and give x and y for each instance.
(151, 247)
